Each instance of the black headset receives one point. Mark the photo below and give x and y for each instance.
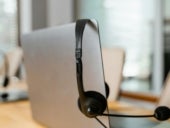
(91, 103)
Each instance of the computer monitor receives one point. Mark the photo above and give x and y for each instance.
(49, 57)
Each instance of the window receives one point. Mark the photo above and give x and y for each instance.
(127, 24)
(8, 30)
(8, 24)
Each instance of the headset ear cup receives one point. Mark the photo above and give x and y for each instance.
(107, 90)
(95, 101)
(99, 102)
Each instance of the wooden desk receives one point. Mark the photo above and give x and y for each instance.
(18, 114)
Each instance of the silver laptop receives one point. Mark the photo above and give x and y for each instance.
(49, 57)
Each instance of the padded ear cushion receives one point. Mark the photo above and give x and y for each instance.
(107, 90)
(96, 102)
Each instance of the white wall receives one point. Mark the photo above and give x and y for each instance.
(39, 14)
(36, 14)
(158, 48)
(59, 12)
(25, 16)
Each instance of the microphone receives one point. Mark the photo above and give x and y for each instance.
(161, 113)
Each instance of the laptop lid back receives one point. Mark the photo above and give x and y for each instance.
(49, 57)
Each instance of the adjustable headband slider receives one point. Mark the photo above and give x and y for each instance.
(78, 53)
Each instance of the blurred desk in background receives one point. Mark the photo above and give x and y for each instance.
(18, 114)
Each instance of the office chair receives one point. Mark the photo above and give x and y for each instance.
(14, 58)
(164, 98)
(113, 61)
(154, 100)
(16, 88)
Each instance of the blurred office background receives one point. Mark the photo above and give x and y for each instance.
(141, 27)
